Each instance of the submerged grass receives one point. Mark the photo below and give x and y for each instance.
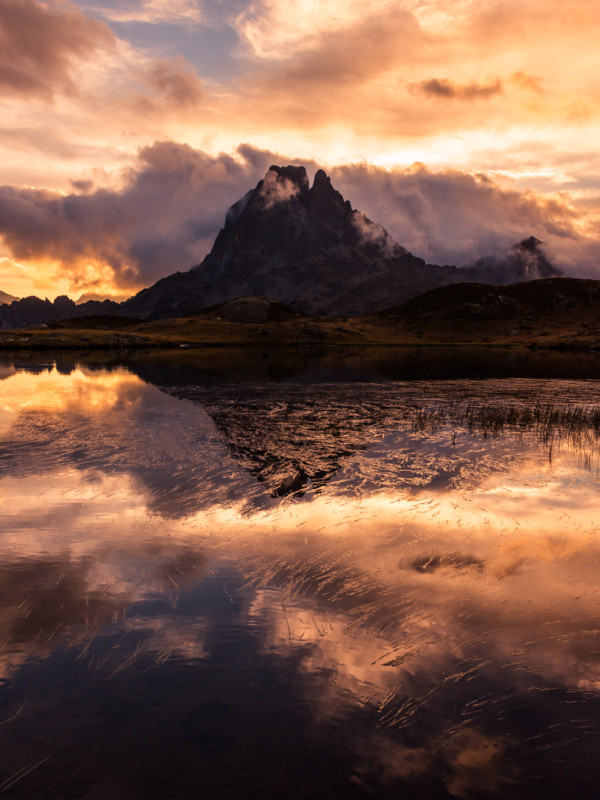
(491, 419)
(576, 426)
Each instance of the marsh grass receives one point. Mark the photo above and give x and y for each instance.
(552, 425)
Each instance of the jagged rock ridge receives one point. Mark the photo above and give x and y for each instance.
(301, 245)
(307, 247)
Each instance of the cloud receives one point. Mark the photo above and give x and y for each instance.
(320, 62)
(366, 70)
(173, 202)
(318, 81)
(277, 189)
(164, 218)
(275, 30)
(453, 217)
(335, 82)
(446, 90)
(42, 46)
(153, 12)
(83, 186)
(375, 45)
(374, 233)
(530, 83)
(175, 82)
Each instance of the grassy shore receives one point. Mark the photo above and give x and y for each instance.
(193, 333)
(552, 313)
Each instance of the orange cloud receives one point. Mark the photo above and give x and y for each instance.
(446, 90)
(42, 46)
(175, 81)
(130, 237)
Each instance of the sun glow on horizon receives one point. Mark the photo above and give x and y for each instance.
(504, 90)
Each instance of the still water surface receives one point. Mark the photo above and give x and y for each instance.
(297, 582)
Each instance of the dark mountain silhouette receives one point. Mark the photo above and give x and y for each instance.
(527, 262)
(251, 309)
(307, 247)
(7, 298)
(33, 311)
(99, 298)
(301, 245)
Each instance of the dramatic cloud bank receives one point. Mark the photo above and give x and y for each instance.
(452, 217)
(499, 101)
(164, 218)
(174, 200)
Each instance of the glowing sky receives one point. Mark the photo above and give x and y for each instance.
(129, 126)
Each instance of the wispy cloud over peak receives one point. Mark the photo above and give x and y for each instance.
(276, 189)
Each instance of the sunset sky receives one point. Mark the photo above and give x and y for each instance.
(129, 126)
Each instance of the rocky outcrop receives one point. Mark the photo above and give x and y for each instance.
(304, 246)
(527, 262)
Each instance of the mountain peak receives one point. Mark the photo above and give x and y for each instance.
(322, 180)
(526, 261)
(295, 175)
(307, 247)
(532, 260)
(530, 244)
(325, 197)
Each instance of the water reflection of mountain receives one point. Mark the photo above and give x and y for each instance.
(167, 630)
(294, 437)
(243, 442)
(210, 365)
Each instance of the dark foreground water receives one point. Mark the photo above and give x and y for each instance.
(241, 576)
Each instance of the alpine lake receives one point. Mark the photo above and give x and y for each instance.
(297, 574)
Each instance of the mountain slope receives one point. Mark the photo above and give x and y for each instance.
(301, 245)
(6, 298)
(307, 247)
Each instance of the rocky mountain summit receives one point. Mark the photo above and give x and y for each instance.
(301, 245)
(306, 246)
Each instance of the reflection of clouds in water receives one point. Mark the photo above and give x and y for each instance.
(355, 669)
(496, 579)
(351, 657)
(150, 641)
(369, 631)
(84, 553)
(113, 423)
(421, 567)
(50, 390)
(426, 586)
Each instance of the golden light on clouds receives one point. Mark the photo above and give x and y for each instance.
(501, 89)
